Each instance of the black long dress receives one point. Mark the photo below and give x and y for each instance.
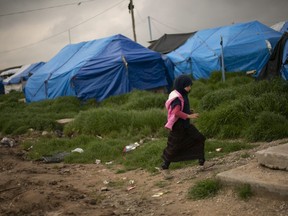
(185, 142)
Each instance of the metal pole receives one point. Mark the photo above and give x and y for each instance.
(150, 32)
(130, 7)
(222, 59)
(69, 36)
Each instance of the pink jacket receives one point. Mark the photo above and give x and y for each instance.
(171, 118)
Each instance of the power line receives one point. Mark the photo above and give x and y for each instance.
(98, 14)
(52, 36)
(32, 44)
(45, 8)
(166, 25)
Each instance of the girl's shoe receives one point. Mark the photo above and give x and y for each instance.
(206, 166)
(166, 174)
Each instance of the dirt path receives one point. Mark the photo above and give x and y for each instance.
(32, 188)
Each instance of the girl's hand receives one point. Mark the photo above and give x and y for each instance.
(193, 116)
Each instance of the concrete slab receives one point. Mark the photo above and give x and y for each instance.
(261, 179)
(274, 157)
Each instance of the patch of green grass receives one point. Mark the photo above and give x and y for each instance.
(215, 98)
(204, 189)
(94, 148)
(244, 192)
(267, 126)
(136, 100)
(17, 117)
(13, 96)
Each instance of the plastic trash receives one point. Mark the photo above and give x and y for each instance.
(159, 194)
(130, 188)
(79, 150)
(57, 158)
(131, 147)
(8, 142)
(131, 182)
(105, 182)
(109, 163)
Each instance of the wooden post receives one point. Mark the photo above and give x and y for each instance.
(130, 8)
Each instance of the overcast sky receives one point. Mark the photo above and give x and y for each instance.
(36, 30)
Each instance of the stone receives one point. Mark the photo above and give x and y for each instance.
(275, 157)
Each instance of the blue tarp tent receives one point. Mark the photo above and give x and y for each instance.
(246, 46)
(97, 69)
(18, 80)
(23, 73)
(281, 26)
(278, 62)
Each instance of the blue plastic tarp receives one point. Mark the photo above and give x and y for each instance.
(98, 69)
(23, 74)
(284, 69)
(246, 46)
(284, 27)
(2, 90)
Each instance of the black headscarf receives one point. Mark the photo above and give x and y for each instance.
(179, 84)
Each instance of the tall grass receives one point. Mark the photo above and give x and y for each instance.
(107, 122)
(17, 117)
(268, 126)
(236, 112)
(136, 100)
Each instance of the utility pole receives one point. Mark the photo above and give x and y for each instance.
(149, 23)
(130, 8)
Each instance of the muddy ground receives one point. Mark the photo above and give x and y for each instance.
(37, 188)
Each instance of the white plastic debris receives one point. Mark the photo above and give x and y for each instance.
(218, 149)
(79, 150)
(130, 188)
(131, 147)
(159, 194)
(8, 142)
(109, 163)
(104, 189)
(97, 161)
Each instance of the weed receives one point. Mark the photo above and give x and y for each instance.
(204, 189)
(244, 192)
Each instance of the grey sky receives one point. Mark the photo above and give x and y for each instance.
(38, 35)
